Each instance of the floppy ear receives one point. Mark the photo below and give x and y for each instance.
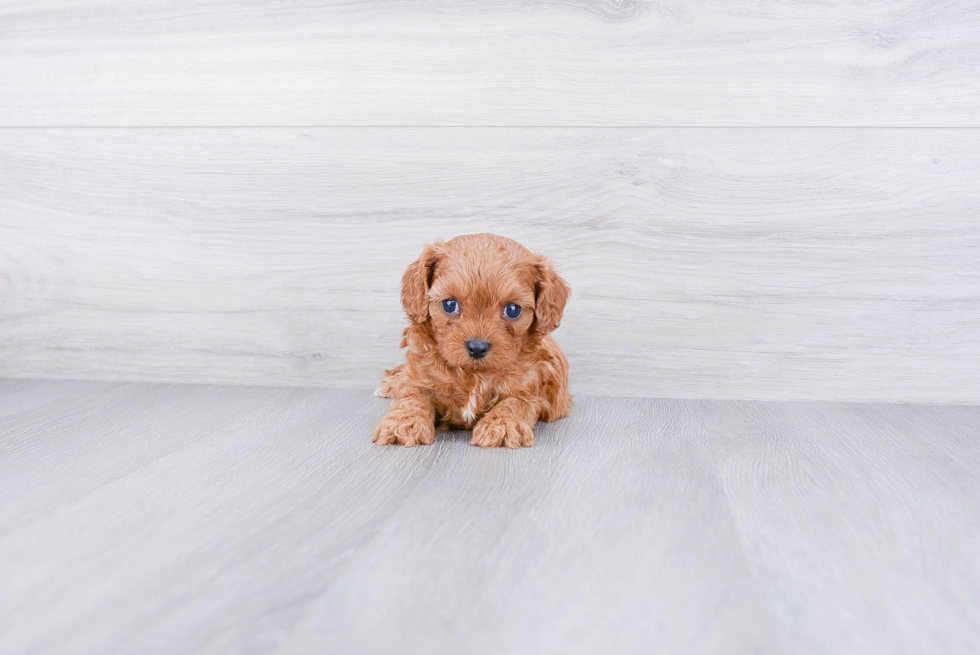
(417, 280)
(551, 293)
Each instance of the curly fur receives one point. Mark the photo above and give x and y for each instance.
(521, 380)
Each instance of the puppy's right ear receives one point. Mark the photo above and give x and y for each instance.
(417, 281)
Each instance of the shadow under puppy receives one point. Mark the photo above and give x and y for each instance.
(479, 355)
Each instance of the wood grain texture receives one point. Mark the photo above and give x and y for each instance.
(158, 519)
(506, 62)
(852, 515)
(756, 263)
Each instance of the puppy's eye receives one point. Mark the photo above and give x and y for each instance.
(450, 306)
(513, 311)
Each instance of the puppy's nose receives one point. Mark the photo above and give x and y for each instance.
(477, 348)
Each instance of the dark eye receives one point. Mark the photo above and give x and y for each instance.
(450, 306)
(513, 311)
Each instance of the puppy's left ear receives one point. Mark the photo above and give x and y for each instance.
(551, 293)
(417, 281)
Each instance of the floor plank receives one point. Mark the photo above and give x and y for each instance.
(861, 517)
(812, 264)
(611, 535)
(217, 533)
(589, 62)
(159, 518)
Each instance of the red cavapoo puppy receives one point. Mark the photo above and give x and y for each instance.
(479, 355)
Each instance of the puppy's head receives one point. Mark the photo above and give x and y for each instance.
(486, 297)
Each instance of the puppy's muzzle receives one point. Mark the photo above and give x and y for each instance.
(477, 348)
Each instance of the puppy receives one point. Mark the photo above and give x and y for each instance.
(479, 355)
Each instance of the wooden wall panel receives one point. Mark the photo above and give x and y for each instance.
(734, 263)
(503, 62)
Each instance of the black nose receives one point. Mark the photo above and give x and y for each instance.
(477, 348)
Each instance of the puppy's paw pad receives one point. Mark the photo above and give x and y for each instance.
(501, 433)
(405, 430)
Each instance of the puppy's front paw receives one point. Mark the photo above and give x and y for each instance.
(384, 389)
(501, 433)
(405, 429)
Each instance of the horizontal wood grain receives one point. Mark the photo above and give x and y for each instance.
(143, 518)
(757, 263)
(506, 62)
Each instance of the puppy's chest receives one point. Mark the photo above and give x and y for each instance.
(464, 405)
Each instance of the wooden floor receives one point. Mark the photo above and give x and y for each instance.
(141, 518)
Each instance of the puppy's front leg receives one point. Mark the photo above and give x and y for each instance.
(410, 421)
(510, 424)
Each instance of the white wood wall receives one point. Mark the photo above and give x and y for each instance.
(750, 199)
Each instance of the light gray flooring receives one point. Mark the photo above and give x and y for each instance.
(144, 518)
